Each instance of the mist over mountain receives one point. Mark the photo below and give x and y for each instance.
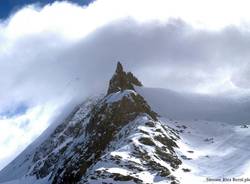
(188, 106)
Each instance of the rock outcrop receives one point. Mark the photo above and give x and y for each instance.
(122, 80)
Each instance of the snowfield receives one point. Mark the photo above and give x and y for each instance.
(213, 150)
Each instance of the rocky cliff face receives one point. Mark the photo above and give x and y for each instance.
(113, 138)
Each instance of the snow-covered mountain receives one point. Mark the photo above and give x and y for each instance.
(112, 138)
(118, 138)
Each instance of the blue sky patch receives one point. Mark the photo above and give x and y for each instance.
(7, 7)
(15, 111)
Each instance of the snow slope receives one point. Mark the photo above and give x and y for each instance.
(213, 150)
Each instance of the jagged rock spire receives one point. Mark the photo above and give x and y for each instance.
(122, 80)
(119, 67)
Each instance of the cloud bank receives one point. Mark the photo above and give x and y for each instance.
(57, 55)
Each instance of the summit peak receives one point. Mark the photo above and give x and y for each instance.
(119, 67)
(122, 80)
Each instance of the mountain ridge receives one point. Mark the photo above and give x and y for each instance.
(101, 127)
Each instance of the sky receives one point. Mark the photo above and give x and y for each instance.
(53, 55)
(9, 7)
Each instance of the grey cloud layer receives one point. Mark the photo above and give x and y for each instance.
(171, 55)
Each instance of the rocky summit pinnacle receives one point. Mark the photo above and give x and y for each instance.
(122, 80)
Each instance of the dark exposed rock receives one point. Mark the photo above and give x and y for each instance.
(186, 170)
(243, 126)
(184, 157)
(146, 141)
(133, 79)
(163, 171)
(150, 124)
(167, 157)
(119, 177)
(167, 142)
(122, 80)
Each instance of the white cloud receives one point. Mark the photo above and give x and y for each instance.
(17, 132)
(52, 55)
